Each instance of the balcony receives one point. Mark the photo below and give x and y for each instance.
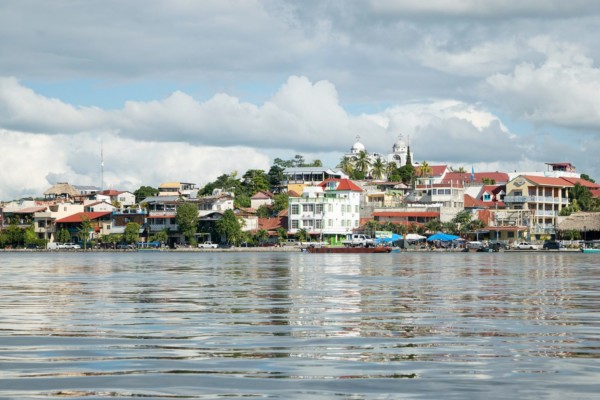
(536, 199)
(546, 213)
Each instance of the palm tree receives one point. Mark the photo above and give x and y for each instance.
(347, 165)
(425, 169)
(378, 168)
(84, 230)
(390, 169)
(461, 171)
(433, 226)
(362, 163)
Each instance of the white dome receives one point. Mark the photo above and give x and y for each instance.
(358, 147)
(399, 146)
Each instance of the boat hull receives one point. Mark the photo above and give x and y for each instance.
(590, 250)
(348, 250)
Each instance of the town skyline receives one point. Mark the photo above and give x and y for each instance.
(192, 90)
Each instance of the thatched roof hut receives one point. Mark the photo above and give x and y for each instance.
(61, 189)
(581, 221)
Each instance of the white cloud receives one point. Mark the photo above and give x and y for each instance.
(562, 90)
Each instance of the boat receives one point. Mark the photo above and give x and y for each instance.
(592, 246)
(349, 250)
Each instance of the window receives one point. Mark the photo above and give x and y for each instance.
(330, 223)
(295, 209)
(356, 208)
(356, 223)
(307, 223)
(308, 207)
(318, 224)
(319, 209)
(108, 227)
(294, 224)
(487, 197)
(511, 234)
(329, 207)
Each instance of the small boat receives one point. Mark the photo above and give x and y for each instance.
(349, 250)
(593, 246)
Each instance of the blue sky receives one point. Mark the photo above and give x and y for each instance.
(189, 90)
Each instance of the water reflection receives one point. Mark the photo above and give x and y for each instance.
(218, 324)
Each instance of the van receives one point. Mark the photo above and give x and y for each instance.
(475, 245)
(53, 246)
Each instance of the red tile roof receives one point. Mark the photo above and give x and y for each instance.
(436, 170)
(472, 202)
(430, 214)
(292, 193)
(110, 192)
(582, 182)
(261, 194)
(30, 210)
(498, 177)
(78, 217)
(343, 185)
(272, 223)
(595, 192)
(548, 181)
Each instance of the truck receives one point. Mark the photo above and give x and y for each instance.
(207, 245)
(358, 240)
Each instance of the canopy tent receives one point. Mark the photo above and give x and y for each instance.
(414, 236)
(443, 237)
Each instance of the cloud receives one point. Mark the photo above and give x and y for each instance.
(489, 8)
(561, 90)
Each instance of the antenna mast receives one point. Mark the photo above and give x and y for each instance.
(101, 165)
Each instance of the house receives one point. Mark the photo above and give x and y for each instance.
(542, 197)
(123, 198)
(328, 210)
(298, 177)
(436, 174)
(98, 206)
(44, 221)
(183, 189)
(261, 198)
(73, 224)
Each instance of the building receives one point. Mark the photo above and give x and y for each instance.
(183, 189)
(542, 197)
(330, 210)
(261, 198)
(399, 154)
(122, 197)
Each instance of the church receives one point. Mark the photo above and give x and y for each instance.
(399, 153)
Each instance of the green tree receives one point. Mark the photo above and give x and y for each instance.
(370, 227)
(433, 226)
(230, 227)
(85, 227)
(587, 178)
(63, 235)
(132, 233)
(582, 196)
(276, 178)
(378, 168)
(302, 235)
(390, 170)
(298, 161)
(362, 164)
(262, 235)
(316, 163)
(347, 165)
(29, 236)
(15, 235)
(281, 233)
(161, 236)
(407, 174)
(425, 169)
(280, 202)
(187, 221)
(144, 191)
(255, 180)
(264, 211)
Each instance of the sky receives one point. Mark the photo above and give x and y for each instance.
(183, 90)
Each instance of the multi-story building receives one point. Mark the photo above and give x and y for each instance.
(328, 210)
(543, 197)
(182, 189)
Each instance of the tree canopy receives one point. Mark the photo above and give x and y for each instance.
(144, 191)
(230, 227)
(187, 220)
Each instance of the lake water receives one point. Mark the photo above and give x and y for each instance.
(298, 325)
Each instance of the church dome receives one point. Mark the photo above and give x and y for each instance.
(399, 146)
(357, 147)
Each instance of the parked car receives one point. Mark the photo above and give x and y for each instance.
(526, 246)
(207, 245)
(125, 246)
(552, 245)
(497, 246)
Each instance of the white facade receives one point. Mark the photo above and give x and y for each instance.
(330, 210)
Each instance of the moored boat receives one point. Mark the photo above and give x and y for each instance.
(349, 250)
(592, 246)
